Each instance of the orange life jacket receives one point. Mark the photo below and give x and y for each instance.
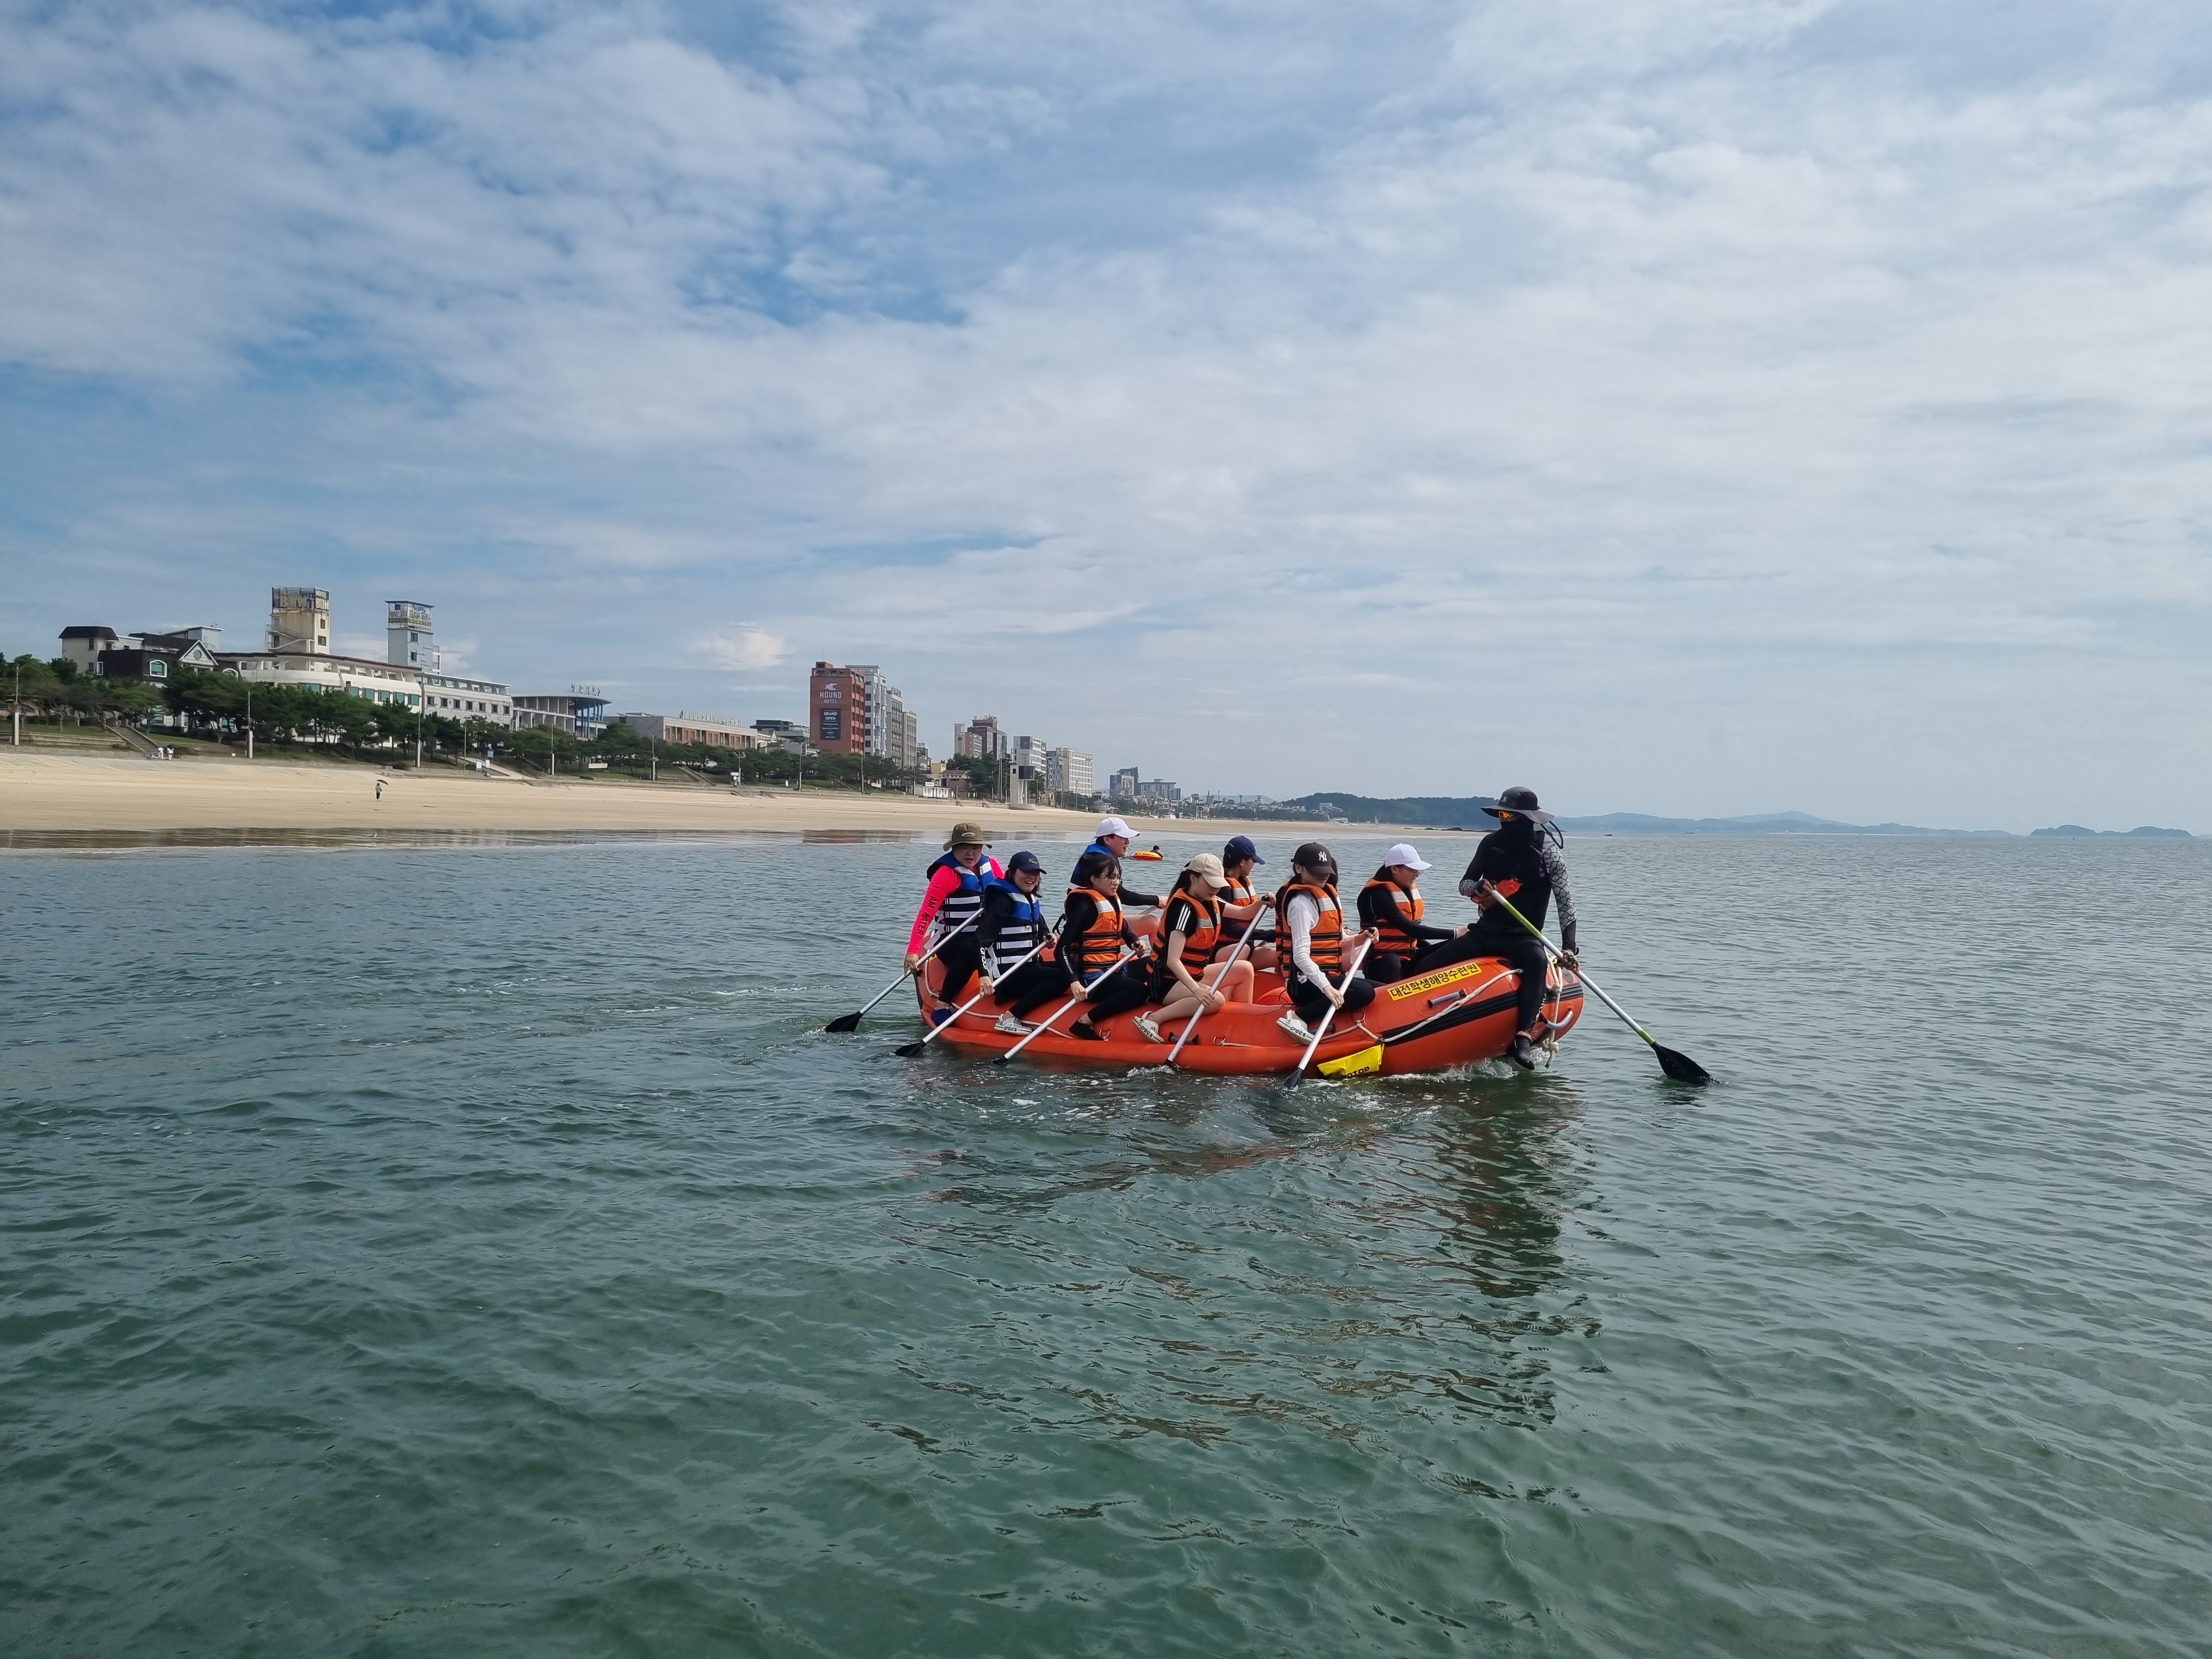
(1094, 949)
(1393, 940)
(1199, 944)
(1234, 891)
(1325, 944)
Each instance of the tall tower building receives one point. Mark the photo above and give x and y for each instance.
(300, 620)
(408, 640)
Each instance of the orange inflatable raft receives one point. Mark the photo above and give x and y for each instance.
(1465, 1012)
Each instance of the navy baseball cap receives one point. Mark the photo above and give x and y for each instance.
(1240, 847)
(1021, 861)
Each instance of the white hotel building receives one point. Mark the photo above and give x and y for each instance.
(297, 652)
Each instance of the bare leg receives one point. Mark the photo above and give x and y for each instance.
(1181, 1003)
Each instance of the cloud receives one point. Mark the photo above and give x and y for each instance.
(1712, 404)
(745, 649)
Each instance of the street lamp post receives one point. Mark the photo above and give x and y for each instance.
(249, 720)
(15, 704)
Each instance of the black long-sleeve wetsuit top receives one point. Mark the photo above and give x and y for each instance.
(1378, 907)
(1075, 922)
(1528, 869)
(1093, 861)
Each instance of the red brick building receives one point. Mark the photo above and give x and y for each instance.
(837, 708)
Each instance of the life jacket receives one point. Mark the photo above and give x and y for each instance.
(1515, 869)
(1205, 936)
(965, 900)
(1091, 952)
(1023, 928)
(1326, 945)
(1393, 940)
(1234, 891)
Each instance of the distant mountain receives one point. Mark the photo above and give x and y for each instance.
(1465, 812)
(2149, 832)
(1443, 812)
(1757, 823)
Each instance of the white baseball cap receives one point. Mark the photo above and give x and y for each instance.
(1403, 854)
(1112, 827)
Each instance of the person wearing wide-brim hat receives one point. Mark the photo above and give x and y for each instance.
(1519, 861)
(953, 902)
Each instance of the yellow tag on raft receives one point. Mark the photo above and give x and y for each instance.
(1438, 980)
(1359, 1064)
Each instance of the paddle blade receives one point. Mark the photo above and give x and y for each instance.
(1359, 1064)
(1679, 1065)
(908, 1050)
(844, 1023)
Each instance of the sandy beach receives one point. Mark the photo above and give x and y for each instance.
(43, 791)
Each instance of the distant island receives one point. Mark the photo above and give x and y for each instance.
(1466, 812)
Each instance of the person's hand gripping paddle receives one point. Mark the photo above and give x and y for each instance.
(1235, 956)
(1320, 1031)
(1676, 1064)
(852, 1022)
(908, 1050)
(1127, 952)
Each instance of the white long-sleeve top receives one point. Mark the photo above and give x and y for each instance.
(1303, 915)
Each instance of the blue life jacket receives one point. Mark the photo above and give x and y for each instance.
(1024, 927)
(966, 900)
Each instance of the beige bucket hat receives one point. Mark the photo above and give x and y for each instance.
(967, 835)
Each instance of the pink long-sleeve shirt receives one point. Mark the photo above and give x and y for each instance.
(941, 883)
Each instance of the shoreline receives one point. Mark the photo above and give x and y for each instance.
(57, 799)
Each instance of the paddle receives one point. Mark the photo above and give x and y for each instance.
(1127, 952)
(1299, 1070)
(908, 1050)
(852, 1022)
(1675, 1064)
(1191, 1025)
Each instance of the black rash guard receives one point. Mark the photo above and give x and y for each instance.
(1378, 907)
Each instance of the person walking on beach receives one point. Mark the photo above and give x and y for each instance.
(1519, 861)
(380, 789)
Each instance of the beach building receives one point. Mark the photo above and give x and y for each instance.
(297, 651)
(1124, 785)
(459, 697)
(785, 734)
(359, 676)
(411, 642)
(99, 650)
(578, 712)
(299, 621)
(1068, 772)
(711, 730)
(837, 702)
(856, 710)
(980, 739)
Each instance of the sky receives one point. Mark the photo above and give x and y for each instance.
(1679, 406)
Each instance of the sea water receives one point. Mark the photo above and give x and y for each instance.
(480, 1248)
